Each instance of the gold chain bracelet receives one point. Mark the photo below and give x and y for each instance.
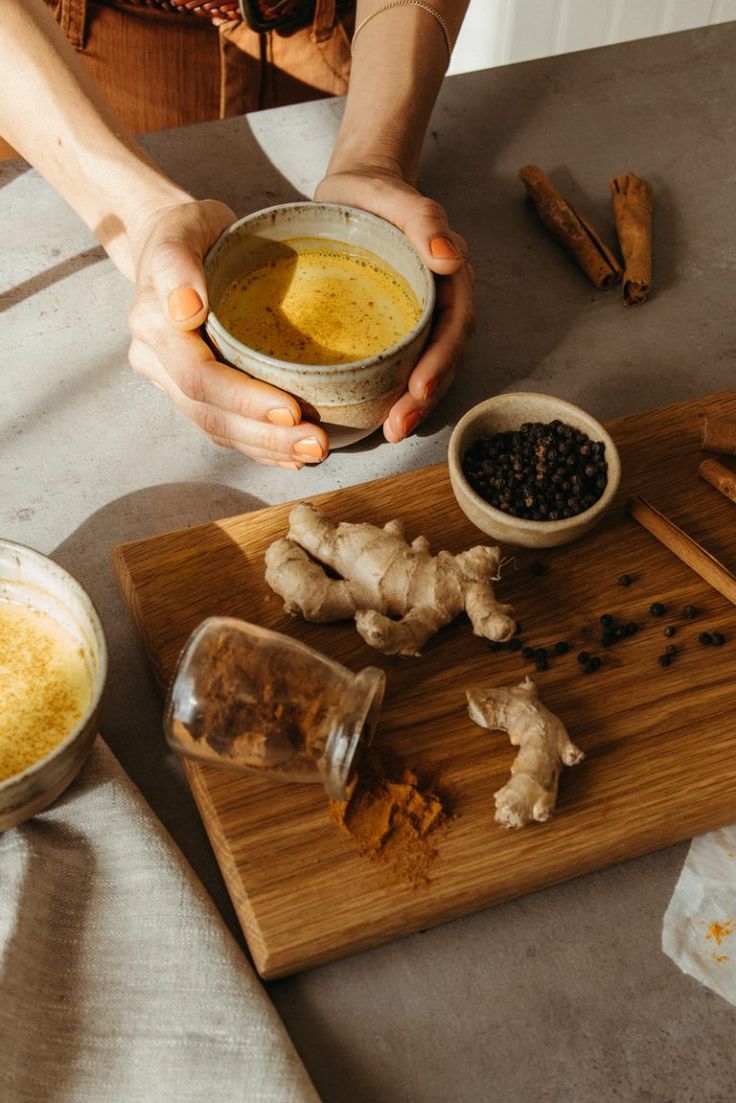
(410, 4)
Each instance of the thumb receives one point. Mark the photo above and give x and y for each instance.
(426, 226)
(178, 276)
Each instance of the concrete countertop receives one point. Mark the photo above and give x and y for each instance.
(564, 995)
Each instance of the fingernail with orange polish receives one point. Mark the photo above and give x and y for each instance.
(442, 248)
(410, 423)
(184, 303)
(429, 389)
(308, 449)
(281, 416)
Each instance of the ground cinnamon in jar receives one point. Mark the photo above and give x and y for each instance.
(395, 815)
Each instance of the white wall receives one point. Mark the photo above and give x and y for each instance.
(499, 31)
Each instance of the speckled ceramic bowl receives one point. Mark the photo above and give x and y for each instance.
(29, 578)
(506, 412)
(350, 400)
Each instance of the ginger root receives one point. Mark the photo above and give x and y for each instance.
(543, 743)
(383, 577)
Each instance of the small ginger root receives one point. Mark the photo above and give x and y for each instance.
(382, 577)
(543, 744)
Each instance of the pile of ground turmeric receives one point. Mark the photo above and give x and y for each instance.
(394, 815)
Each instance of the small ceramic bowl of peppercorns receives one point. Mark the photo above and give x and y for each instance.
(532, 469)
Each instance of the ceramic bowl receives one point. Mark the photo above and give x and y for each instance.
(350, 400)
(507, 412)
(29, 578)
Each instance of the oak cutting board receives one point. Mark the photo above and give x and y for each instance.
(660, 744)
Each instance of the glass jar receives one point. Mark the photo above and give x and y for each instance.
(258, 702)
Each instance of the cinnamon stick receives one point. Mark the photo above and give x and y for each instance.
(684, 547)
(719, 435)
(632, 207)
(720, 477)
(573, 231)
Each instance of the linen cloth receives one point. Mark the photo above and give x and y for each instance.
(118, 980)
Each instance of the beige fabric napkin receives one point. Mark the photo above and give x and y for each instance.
(118, 980)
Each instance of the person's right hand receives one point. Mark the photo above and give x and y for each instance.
(170, 304)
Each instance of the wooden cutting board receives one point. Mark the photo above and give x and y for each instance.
(660, 744)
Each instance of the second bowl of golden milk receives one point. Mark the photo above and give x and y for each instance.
(327, 302)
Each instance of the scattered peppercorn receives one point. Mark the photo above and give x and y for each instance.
(515, 644)
(718, 639)
(583, 657)
(542, 664)
(537, 568)
(690, 612)
(632, 628)
(665, 660)
(493, 645)
(541, 653)
(518, 628)
(625, 580)
(527, 653)
(657, 609)
(670, 630)
(670, 649)
(607, 620)
(542, 472)
(594, 662)
(561, 647)
(705, 638)
(619, 632)
(608, 638)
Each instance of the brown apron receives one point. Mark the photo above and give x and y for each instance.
(161, 68)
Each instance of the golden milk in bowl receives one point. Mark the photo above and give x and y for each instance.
(53, 664)
(329, 303)
(319, 302)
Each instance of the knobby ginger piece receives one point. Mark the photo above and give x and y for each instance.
(383, 576)
(543, 743)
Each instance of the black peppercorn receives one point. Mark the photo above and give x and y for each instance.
(583, 657)
(632, 628)
(541, 664)
(705, 638)
(493, 646)
(657, 609)
(670, 649)
(718, 639)
(607, 620)
(537, 568)
(690, 612)
(625, 580)
(515, 645)
(527, 653)
(664, 660)
(670, 630)
(561, 647)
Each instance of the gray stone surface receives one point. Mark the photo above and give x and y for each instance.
(564, 995)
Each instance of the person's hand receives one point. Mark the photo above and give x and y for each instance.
(170, 304)
(445, 253)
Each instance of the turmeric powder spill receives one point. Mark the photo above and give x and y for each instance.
(45, 686)
(394, 815)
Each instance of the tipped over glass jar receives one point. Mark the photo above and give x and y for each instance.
(258, 702)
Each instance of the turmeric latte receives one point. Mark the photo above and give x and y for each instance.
(310, 301)
(45, 686)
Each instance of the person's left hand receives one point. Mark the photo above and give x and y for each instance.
(445, 253)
